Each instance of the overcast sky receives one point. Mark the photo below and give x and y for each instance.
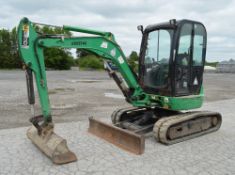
(122, 16)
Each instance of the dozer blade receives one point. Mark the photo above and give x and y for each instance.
(54, 146)
(122, 138)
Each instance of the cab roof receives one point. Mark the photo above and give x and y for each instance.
(171, 24)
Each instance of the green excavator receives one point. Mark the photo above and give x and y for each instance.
(168, 84)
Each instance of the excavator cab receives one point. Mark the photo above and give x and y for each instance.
(172, 58)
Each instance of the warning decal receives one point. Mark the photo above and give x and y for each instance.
(25, 36)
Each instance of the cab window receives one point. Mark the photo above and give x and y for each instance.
(157, 58)
(199, 44)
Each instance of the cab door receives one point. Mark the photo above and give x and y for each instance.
(183, 60)
(198, 58)
(190, 59)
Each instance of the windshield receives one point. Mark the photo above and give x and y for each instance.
(156, 60)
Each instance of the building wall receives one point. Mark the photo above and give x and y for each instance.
(225, 68)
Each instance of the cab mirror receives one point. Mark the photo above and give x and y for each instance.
(140, 28)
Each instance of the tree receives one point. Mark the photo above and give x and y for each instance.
(212, 64)
(133, 61)
(14, 49)
(90, 62)
(4, 48)
(82, 53)
(57, 58)
(9, 57)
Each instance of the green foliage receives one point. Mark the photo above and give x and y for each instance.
(87, 60)
(90, 62)
(56, 58)
(59, 59)
(212, 64)
(82, 53)
(9, 57)
(52, 30)
(133, 61)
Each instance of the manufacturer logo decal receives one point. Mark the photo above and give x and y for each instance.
(79, 43)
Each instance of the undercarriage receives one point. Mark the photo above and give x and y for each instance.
(167, 126)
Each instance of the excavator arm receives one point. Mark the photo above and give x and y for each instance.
(31, 45)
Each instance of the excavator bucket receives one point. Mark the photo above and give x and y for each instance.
(120, 137)
(54, 146)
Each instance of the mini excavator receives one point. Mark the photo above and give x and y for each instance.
(167, 86)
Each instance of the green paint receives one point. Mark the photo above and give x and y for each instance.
(27, 54)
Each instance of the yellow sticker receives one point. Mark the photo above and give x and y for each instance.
(25, 38)
(25, 28)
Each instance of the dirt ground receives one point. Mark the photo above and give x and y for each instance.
(77, 95)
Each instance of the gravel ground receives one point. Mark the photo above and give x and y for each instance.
(77, 95)
(211, 154)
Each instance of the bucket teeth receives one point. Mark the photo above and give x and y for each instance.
(54, 146)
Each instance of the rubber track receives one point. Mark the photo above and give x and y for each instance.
(161, 126)
(116, 115)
